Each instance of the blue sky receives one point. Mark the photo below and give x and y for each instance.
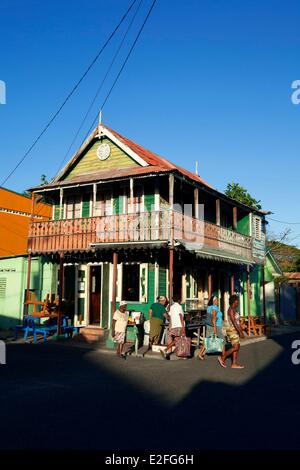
(208, 81)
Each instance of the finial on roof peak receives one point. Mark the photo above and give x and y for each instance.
(100, 125)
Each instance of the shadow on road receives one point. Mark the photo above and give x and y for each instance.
(72, 398)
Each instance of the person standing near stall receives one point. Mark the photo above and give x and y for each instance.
(177, 326)
(119, 327)
(157, 313)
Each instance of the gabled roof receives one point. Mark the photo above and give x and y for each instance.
(144, 157)
(149, 163)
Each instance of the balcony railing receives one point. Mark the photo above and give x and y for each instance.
(80, 234)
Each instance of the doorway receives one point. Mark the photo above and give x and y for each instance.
(95, 295)
(69, 291)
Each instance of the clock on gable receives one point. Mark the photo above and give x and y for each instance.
(103, 151)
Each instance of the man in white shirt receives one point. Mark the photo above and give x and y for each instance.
(177, 328)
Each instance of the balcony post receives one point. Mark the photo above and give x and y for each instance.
(171, 266)
(131, 196)
(60, 291)
(171, 207)
(209, 285)
(235, 218)
(196, 203)
(171, 247)
(218, 212)
(114, 283)
(94, 199)
(61, 198)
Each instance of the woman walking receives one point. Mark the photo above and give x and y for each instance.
(214, 322)
(234, 332)
(119, 327)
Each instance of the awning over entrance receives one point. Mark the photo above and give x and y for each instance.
(215, 255)
(130, 245)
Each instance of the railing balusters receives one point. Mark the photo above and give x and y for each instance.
(78, 234)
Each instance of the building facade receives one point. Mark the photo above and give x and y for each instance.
(15, 216)
(130, 225)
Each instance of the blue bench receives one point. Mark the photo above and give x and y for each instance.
(28, 326)
(32, 325)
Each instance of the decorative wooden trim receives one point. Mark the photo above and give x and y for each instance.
(106, 133)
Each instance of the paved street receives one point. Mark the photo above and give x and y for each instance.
(54, 396)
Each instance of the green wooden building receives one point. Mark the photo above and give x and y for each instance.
(129, 224)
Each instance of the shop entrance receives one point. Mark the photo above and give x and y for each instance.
(95, 295)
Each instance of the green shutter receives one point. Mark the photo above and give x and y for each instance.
(86, 206)
(151, 281)
(56, 212)
(148, 202)
(243, 225)
(162, 282)
(117, 204)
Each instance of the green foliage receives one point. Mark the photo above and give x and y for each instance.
(287, 256)
(297, 265)
(240, 194)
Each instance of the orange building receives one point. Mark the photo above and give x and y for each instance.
(15, 213)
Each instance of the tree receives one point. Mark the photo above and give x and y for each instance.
(286, 254)
(240, 194)
(44, 179)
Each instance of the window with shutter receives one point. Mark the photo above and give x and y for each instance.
(86, 202)
(103, 204)
(257, 228)
(73, 207)
(56, 212)
(2, 287)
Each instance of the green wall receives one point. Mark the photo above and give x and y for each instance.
(13, 279)
(243, 225)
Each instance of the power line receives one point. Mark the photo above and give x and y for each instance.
(70, 94)
(123, 66)
(101, 85)
(281, 222)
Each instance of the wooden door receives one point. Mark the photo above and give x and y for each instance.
(95, 295)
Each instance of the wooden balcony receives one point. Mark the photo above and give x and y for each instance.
(161, 226)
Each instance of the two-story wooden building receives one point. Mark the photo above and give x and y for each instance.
(129, 224)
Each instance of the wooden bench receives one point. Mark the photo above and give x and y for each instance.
(257, 327)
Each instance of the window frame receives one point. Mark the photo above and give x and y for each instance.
(143, 288)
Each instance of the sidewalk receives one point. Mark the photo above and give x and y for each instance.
(276, 331)
(102, 349)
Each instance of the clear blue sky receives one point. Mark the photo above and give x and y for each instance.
(208, 81)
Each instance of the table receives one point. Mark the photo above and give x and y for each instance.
(200, 327)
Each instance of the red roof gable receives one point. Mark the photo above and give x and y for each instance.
(153, 159)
